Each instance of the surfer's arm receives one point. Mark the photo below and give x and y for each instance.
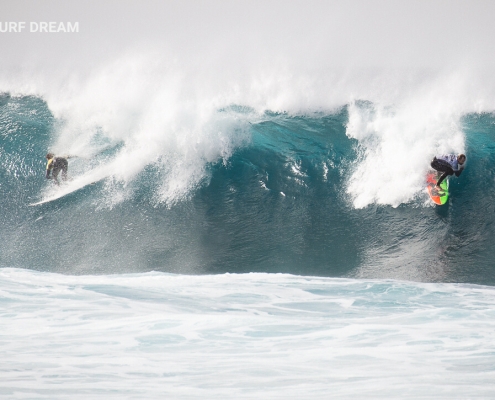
(49, 167)
(459, 170)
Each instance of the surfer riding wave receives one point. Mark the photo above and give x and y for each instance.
(449, 164)
(55, 165)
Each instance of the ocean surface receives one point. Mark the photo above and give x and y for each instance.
(320, 194)
(157, 335)
(245, 248)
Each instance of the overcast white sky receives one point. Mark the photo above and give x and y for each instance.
(317, 32)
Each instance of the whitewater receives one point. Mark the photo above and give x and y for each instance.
(247, 213)
(245, 336)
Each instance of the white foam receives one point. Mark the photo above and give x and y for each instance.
(169, 115)
(160, 335)
(159, 93)
(397, 141)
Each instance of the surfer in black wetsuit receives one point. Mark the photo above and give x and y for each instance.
(55, 165)
(449, 164)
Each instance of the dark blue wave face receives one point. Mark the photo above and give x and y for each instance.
(279, 205)
(25, 128)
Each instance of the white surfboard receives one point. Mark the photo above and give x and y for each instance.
(69, 187)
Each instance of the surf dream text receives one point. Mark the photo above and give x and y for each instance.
(39, 27)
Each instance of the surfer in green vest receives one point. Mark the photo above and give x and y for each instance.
(55, 165)
(448, 164)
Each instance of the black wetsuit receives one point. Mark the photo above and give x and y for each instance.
(55, 165)
(447, 164)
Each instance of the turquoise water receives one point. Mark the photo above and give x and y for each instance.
(279, 202)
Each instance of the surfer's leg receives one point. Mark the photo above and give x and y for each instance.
(55, 175)
(442, 166)
(444, 175)
(65, 167)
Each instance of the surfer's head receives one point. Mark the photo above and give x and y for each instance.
(461, 159)
(49, 156)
